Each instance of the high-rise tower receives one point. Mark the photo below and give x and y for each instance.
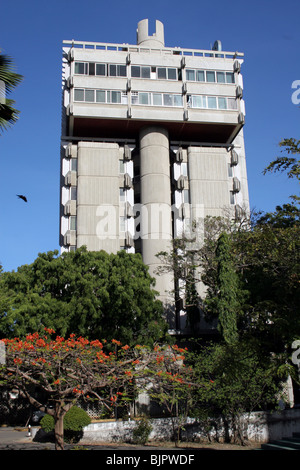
(152, 138)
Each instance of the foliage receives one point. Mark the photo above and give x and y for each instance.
(66, 370)
(91, 294)
(74, 422)
(237, 379)
(171, 386)
(8, 114)
(141, 431)
(289, 164)
(224, 301)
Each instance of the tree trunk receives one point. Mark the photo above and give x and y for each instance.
(59, 427)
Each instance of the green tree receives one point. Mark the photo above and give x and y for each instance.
(223, 300)
(233, 381)
(9, 79)
(93, 294)
(289, 163)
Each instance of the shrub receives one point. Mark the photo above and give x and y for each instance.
(142, 431)
(74, 421)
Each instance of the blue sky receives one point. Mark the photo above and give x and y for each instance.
(31, 32)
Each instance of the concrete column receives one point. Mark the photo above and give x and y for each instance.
(156, 211)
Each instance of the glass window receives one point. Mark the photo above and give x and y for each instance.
(204, 102)
(135, 71)
(72, 222)
(101, 69)
(200, 76)
(112, 70)
(220, 77)
(197, 101)
(210, 77)
(190, 74)
(172, 74)
(74, 164)
(168, 100)
(100, 96)
(121, 167)
(73, 194)
(115, 96)
(229, 77)
(186, 196)
(157, 99)
(145, 72)
(122, 224)
(122, 194)
(161, 73)
(178, 100)
(231, 102)
(184, 169)
(78, 94)
(91, 68)
(79, 68)
(222, 104)
(143, 98)
(122, 72)
(90, 95)
(211, 102)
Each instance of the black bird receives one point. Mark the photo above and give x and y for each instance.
(22, 197)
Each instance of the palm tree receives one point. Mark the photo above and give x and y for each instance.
(8, 81)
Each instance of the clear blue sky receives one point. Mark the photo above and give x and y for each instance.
(32, 31)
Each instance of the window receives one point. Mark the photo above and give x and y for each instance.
(117, 70)
(220, 77)
(79, 94)
(80, 68)
(73, 164)
(172, 74)
(231, 103)
(89, 96)
(212, 102)
(101, 69)
(73, 193)
(122, 223)
(144, 98)
(100, 96)
(157, 99)
(210, 77)
(121, 166)
(231, 197)
(190, 75)
(161, 73)
(229, 77)
(122, 194)
(184, 169)
(140, 72)
(222, 104)
(72, 222)
(200, 77)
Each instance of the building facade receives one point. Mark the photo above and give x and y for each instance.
(152, 139)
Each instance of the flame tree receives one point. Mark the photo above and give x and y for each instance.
(65, 370)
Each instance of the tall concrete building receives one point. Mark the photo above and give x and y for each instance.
(152, 139)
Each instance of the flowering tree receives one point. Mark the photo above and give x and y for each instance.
(67, 369)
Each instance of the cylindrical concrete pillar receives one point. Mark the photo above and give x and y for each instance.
(156, 205)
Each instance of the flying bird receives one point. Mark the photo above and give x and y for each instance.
(22, 197)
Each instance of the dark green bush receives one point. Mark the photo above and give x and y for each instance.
(74, 421)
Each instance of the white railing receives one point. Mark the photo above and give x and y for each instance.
(164, 50)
